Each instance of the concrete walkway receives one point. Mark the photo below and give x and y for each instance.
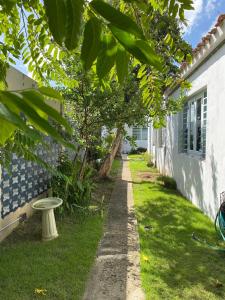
(116, 272)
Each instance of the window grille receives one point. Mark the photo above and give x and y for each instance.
(140, 133)
(192, 127)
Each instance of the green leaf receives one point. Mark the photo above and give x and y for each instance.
(171, 6)
(74, 11)
(12, 118)
(116, 18)
(8, 5)
(37, 100)
(138, 48)
(57, 18)
(107, 56)
(91, 42)
(50, 92)
(16, 101)
(122, 60)
(175, 10)
(7, 130)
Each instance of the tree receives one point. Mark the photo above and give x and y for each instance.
(113, 36)
(91, 108)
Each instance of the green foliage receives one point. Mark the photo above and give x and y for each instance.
(35, 113)
(107, 56)
(75, 192)
(91, 43)
(121, 34)
(57, 12)
(116, 18)
(168, 182)
(138, 150)
(122, 64)
(105, 144)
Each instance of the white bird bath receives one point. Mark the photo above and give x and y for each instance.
(47, 205)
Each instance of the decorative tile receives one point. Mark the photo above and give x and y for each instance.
(25, 180)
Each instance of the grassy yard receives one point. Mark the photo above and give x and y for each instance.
(60, 266)
(173, 266)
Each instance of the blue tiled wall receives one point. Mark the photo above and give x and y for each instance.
(25, 181)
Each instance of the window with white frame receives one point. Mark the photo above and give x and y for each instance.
(140, 133)
(193, 125)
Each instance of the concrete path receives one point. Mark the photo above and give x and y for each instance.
(116, 273)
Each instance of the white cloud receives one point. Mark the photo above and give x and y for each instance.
(193, 15)
(211, 26)
(210, 6)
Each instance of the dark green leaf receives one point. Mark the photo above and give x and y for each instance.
(51, 93)
(122, 60)
(57, 18)
(107, 56)
(15, 120)
(37, 100)
(16, 101)
(7, 129)
(74, 11)
(91, 43)
(138, 48)
(175, 10)
(171, 6)
(116, 18)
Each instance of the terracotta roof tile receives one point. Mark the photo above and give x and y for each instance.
(206, 38)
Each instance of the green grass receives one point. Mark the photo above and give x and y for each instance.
(173, 266)
(60, 266)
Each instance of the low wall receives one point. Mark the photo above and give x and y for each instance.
(22, 183)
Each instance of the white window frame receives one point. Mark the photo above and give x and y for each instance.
(193, 100)
(141, 134)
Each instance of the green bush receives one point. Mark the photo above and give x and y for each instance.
(150, 164)
(138, 150)
(168, 182)
(75, 193)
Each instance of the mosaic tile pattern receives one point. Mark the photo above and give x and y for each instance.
(26, 180)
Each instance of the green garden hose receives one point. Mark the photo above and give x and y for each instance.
(219, 227)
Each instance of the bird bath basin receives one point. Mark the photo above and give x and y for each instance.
(47, 205)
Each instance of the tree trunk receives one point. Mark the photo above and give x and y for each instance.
(107, 164)
(119, 151)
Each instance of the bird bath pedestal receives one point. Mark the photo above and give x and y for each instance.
(47, 205)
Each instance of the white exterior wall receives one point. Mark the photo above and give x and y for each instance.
(126, 147)
(16, 80)
(200, 180)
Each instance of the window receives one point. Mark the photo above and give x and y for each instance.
(193, 125)
(140, 133)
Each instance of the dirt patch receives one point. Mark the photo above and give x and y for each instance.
(148, 176)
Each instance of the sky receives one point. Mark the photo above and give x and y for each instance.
(200, 21)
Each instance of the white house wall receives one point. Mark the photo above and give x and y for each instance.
(200, 180)
(16, 80)
(126, 147)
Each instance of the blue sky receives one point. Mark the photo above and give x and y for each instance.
(200, 21)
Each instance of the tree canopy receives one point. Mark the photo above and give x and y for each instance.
(108, 36)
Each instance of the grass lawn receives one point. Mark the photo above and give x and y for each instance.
(173, 266)
(60, 266)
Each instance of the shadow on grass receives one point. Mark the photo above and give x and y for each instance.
(177, 263)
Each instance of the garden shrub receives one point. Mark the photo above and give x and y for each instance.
(150, 164)
(141, 150)
(168, 182)
(75, 193)
(138, 150)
